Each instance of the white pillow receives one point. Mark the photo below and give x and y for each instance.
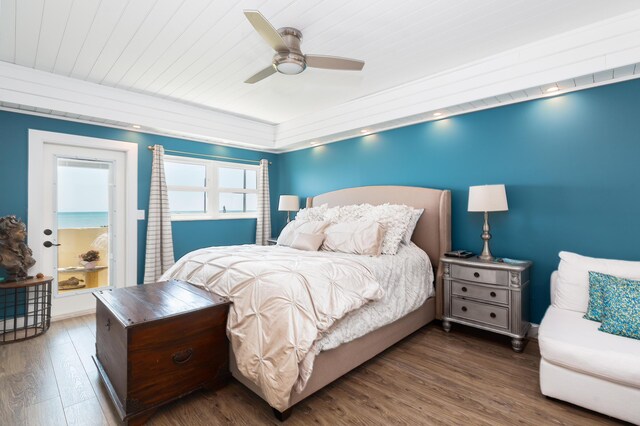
(395, 220)
(415, 217)
(312, 213)
(295, 227)
(308, 242)
(572, 288)
(361, 237)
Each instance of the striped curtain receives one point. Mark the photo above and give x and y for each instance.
(263, 227)
(159, 254)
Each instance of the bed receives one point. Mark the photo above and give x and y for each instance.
(431, 236)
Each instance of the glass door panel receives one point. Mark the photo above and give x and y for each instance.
(83, 224)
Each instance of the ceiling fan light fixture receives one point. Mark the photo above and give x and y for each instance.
(290, 68)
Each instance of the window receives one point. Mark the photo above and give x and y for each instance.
(206, 189)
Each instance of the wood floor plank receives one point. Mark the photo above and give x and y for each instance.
(86, 413)
(27, 378)
(46, 413)
(73, 383)
(84, 342)
(57, 334)
(430, 378)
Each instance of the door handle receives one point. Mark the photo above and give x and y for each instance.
(49, 244)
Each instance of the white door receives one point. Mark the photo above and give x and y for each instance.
(79, 232)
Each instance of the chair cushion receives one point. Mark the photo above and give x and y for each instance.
(572, 288)
(568, 340)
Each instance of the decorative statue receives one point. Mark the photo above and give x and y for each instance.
(15, 256)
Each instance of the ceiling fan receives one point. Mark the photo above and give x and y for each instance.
(289, 59)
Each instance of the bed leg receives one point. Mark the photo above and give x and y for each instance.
(282, 415)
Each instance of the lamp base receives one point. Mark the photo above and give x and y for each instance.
(486, 236)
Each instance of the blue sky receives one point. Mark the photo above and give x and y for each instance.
(83, 186)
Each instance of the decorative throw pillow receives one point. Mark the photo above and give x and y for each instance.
(295, 227)
(622, 308)
(361, 237)
(308, 242)
(312, 213)
(572, 288)
(415, 217)
(395, 220)
(597, 284)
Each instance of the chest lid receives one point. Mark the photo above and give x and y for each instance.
(151, 302)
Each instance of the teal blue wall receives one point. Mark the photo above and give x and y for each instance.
(188, 236)
(571, 164)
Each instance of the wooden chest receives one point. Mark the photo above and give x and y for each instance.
(158, 342)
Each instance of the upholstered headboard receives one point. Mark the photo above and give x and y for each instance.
(433, 231)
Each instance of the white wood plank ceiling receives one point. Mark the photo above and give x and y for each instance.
(177, 67)
(200, 51)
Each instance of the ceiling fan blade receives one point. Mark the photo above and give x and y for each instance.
(266, 30)
(261, 75)
(333, 63)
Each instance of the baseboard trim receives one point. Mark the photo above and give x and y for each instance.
(533, 331)
(73, 315)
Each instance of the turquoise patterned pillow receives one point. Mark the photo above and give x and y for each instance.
(597, 283)
(622, 308)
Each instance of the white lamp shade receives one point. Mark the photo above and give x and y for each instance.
(488, 198)
(289, 203)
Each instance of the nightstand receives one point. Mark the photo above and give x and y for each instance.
(492, 296)
(272, 241)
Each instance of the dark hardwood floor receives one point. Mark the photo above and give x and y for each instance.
(431, 377)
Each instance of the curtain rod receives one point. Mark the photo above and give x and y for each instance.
(151, 148)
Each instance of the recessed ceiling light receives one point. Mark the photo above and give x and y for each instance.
(437, 114)
(314, 143)
(552, 89)
(363, 131)
(135, 126)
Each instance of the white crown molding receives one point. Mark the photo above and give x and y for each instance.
(605, 45)
(26, 86)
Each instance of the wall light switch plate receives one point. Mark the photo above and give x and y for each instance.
(140, 214)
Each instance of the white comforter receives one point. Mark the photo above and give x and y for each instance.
(283, 300)
(407, 281)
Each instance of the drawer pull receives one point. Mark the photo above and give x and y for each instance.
(492, 294)
(492, 315)
(108, 324)
(476, 274)
(182, 356)
(464, 309)
(464, 289)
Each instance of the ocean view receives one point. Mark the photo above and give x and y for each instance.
(69, 220)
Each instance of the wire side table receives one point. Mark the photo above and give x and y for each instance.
(25, 309)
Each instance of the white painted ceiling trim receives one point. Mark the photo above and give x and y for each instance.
(39, 89)
(597, 48)
(594, 48)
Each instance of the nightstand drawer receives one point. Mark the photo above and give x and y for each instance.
(494, 316)
(481, 293)
(480, 275)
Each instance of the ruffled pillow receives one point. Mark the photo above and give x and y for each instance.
(312, 213)
(395, 220)
(415, 217)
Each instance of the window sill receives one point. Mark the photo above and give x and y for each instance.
(187, 218)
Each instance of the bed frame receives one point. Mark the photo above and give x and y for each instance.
(432, 234)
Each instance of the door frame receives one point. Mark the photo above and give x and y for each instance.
(37, 140)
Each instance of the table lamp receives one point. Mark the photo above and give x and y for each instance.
(289, 203)
(487, 198)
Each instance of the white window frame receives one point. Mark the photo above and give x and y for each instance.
(211, 189)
